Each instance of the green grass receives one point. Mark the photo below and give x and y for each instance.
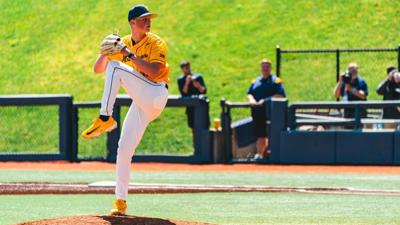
(360, 181)
(29, 129)
(219, 208)
(158, 139)
(50, 47)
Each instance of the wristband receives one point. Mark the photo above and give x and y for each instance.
(130, 55)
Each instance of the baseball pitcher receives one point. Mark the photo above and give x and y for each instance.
(137, 62)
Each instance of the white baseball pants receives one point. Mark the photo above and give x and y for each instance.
(148, 101)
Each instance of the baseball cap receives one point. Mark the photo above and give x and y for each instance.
(185, 63)
(390, 69)
(140, 11)
(265, 61)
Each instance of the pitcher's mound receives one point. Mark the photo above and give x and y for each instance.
(108, 220)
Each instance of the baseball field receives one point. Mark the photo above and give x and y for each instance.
(50, 46)
(274, 194)
(54, 48)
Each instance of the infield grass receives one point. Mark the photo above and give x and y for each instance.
(49, 46)
(219, 208)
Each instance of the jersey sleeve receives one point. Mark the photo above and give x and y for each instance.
(158, 52)
(364, 87)
(201, 81)
(250, 90)
(181, 83)
(117, 57)
(281, 90)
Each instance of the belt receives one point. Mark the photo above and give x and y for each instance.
(164, 84)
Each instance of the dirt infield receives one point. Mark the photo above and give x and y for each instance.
(81, 188)
(109, 220)
(169, 167)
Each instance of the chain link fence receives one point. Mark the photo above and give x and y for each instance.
(311, 75)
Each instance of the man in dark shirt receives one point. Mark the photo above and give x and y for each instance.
(352, 88)
(390, 89)
(265, 86)
(190, 84)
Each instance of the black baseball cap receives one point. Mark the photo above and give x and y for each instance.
(140, 11)
(390, 69)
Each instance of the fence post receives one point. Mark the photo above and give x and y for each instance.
(113, 136)
(398, 57)
(337, 64)
(201, 132)
(226, 131)
(357, 115)
(278, 61)
(277, 109)
(75, 135)
(292, 118)
(66, 131)
(337, 67)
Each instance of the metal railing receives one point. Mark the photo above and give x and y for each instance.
(68, 117)
(226, 121)
(64, 102)
(356, 122)
(202, 143)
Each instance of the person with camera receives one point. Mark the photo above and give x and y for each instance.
(390, 89)
(265, 86)
(352, 87)
(191, 84)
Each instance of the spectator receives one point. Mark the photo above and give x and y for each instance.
(191, 84)
(390, 89)
(265, 86)
(352, 88)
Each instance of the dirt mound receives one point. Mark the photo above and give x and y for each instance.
(109, 220)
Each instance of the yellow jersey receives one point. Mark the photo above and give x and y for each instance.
(151, 49)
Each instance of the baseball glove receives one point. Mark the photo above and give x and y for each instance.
(112, 44)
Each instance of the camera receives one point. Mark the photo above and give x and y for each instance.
(396, 77)
(195, 78)
(346, 77)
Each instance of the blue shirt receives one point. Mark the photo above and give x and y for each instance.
(358, 84)
(263, 88)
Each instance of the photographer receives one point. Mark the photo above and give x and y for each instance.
(390, 89)
(191, 84)
(264, 86)
(352, 88)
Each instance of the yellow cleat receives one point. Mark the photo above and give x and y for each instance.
(119, 208)
(98, 127)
